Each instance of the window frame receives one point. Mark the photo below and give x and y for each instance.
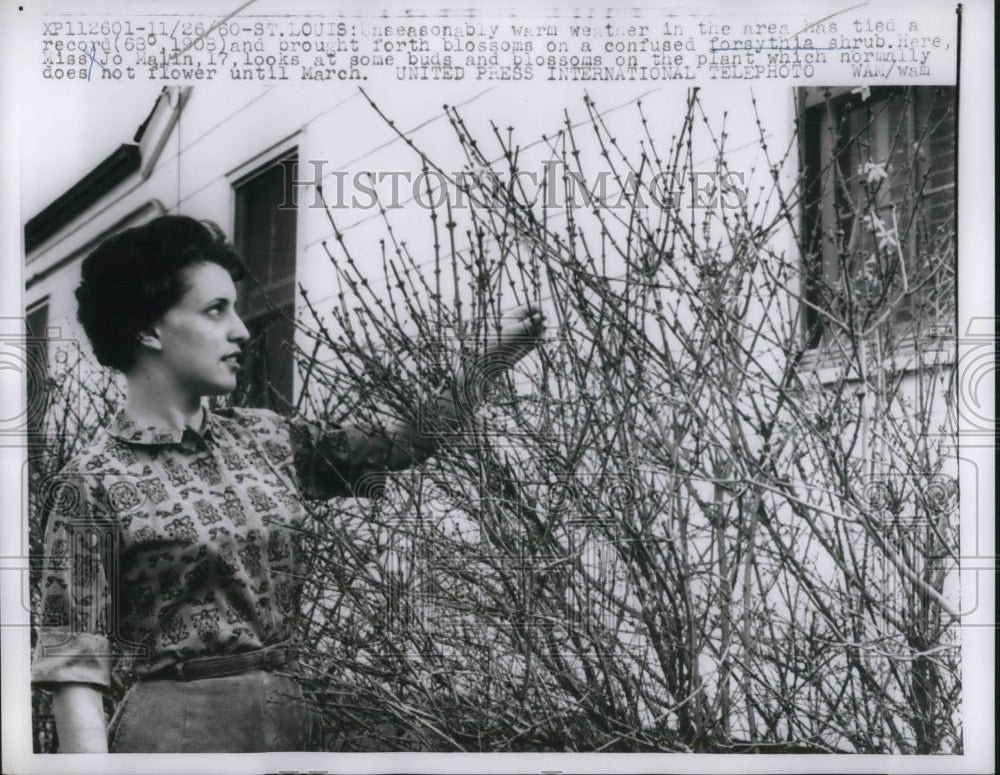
(35, 415)
(821, 257)
(276, 304)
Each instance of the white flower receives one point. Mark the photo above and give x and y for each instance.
(886, 237)
(887, 240)
(873, 172)
(873, 223)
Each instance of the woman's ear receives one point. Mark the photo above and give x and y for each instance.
(149, 338)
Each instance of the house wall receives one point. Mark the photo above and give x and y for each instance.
(221, 134)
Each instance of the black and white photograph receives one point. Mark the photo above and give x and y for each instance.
(444, 388)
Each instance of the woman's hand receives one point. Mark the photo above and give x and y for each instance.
(520, 334)
(400, 444)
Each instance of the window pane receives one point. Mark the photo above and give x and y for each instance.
(879, 205)
(266, 238)
(37, 357)
(267, 376)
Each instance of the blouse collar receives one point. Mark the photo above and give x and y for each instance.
(124, 428)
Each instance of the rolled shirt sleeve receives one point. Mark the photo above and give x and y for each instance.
(73, 644)
(328, 465)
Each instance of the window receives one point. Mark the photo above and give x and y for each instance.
(37, 359)
(265, 235)
(878, 208)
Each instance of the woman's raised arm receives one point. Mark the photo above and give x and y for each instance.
(400, 444)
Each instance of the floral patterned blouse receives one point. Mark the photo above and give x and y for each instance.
(164, 545)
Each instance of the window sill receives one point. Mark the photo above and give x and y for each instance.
(913, 355)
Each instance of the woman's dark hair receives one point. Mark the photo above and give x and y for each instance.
(134, 277)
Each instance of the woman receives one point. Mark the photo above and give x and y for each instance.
(175, 538)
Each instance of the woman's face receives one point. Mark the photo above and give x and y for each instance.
(201, 336)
